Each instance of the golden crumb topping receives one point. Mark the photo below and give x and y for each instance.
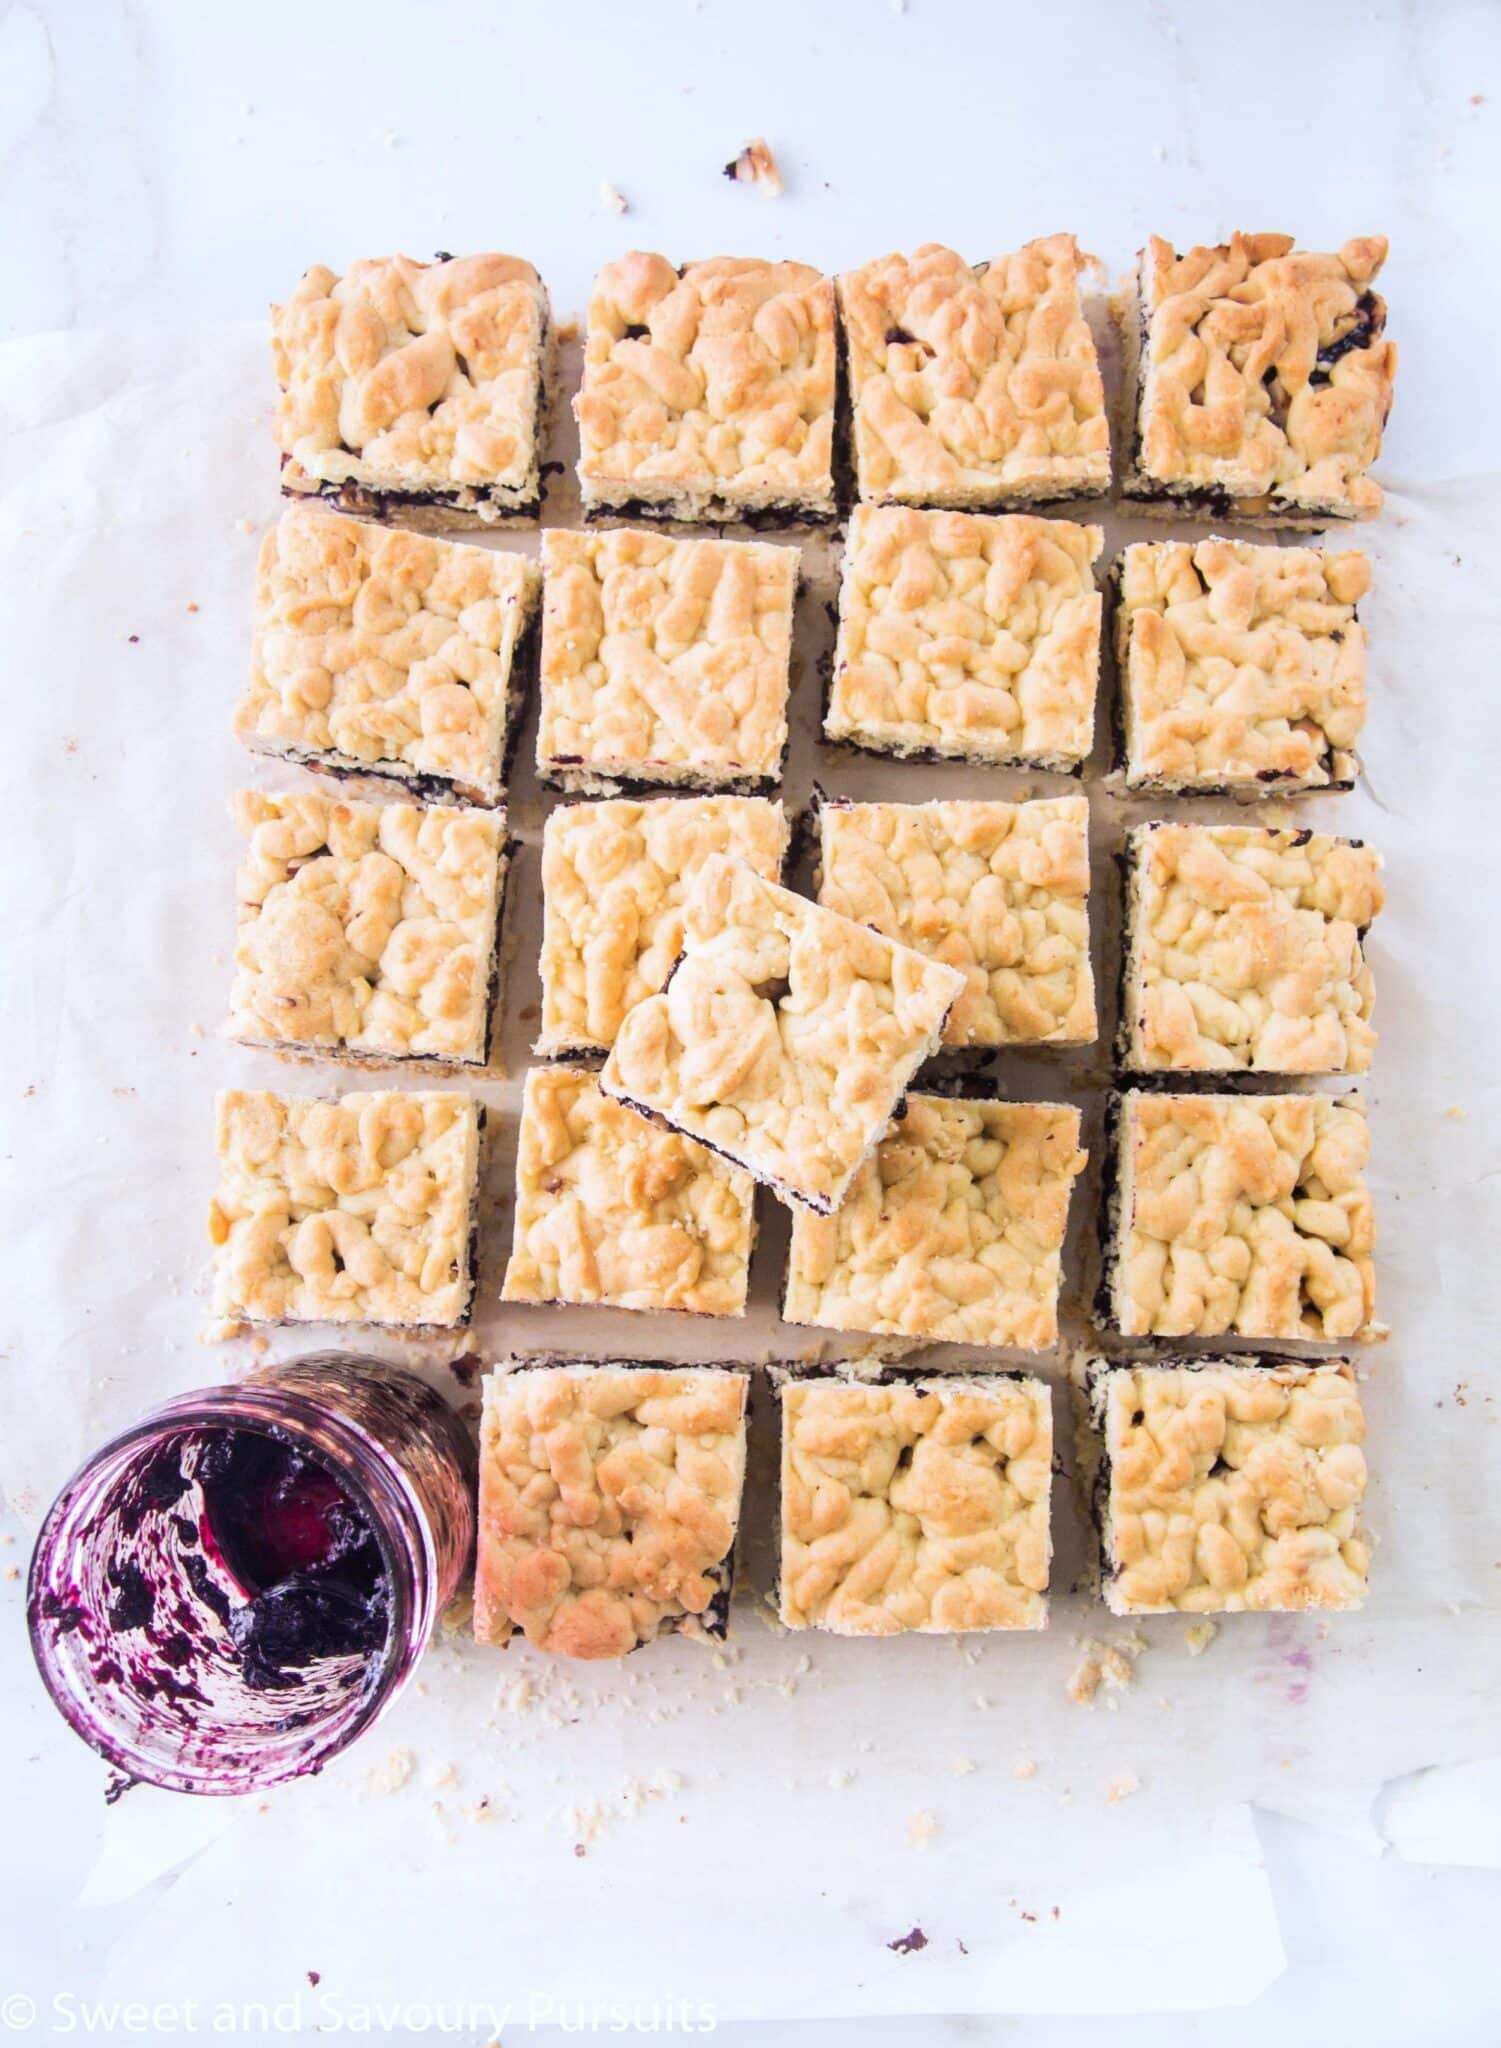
(366, 929)
(952, 1232)
(663, 660)
(608, 1502)
(708, 391)
(921, 1505)
(975, 387)
(1243, 668)
(385, 653)
(998, 890)
(1263, 373)
(615, 878)
(612, 1209)
(1244, 950)
(414, 378)
(1232, 1486)
(355, 1211)
(1244, 1213)
(967, 636)
(786, 1036)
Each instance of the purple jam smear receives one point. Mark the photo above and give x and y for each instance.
(302, 1549)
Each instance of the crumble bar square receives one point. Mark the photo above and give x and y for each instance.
(785, 1037)
(1244, 950)
(614, 879)
(664, 661)
(952, 1232)
(367, 931)
(614, 1211)
(361, 1210)
(415, 390)
(1241, 1213)
(1258, 378)
(998, 890)
(708, 392)
(915, 1505)
(1242, 668)
(609, 1500)
(975, 388)
(1228, 1486)
(384, 653)
(967, 638)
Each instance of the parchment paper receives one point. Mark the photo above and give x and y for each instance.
(746, 1832)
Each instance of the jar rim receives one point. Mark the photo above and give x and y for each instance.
(357, 1459)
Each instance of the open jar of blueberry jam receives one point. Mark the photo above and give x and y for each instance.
(230, 1592)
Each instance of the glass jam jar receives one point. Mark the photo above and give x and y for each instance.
(229, 1592)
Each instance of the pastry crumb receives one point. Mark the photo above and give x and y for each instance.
(1455, 1112)
(393, 1771)
(839, 1779)
(921, 1828)
(1024, 1767)
(1198, 1638)
(611, 198)
(908, 1944)
(1122, 1788)
(756, 166)
(962, 1766)
(521, 1695)
(1112, 1665)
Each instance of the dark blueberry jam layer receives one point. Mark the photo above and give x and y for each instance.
(302, 1549)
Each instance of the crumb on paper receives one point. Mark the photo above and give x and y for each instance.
(192, 607)
(756, 166)
(1198, 1638)
(921, 1828)
(839, 1779)
(393, 1771)
(1122, 1788)
(520, 1695)
(611, 198)
(244, 526)
(1455, 1112)
(908, 1944)
(1024, 1767)
(962, 1766)
(1112, 1665)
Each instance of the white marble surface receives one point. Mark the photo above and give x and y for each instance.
(165, 165)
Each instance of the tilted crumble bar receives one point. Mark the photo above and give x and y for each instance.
(367, 931)
(1243, 669)
(355, 1211)
(1244, 951)
(614, 879)
(998, 890)
(1228, 1487)
(915, 1504)
(415, 388)
(387, 653)
(663, 661)
(967, 637)
(786, 1036)
(975, 387)
(614, 1211)
(1261, 382)
(952, 1232)
(708, 392)
(609, 1498)
(1242, 1213)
